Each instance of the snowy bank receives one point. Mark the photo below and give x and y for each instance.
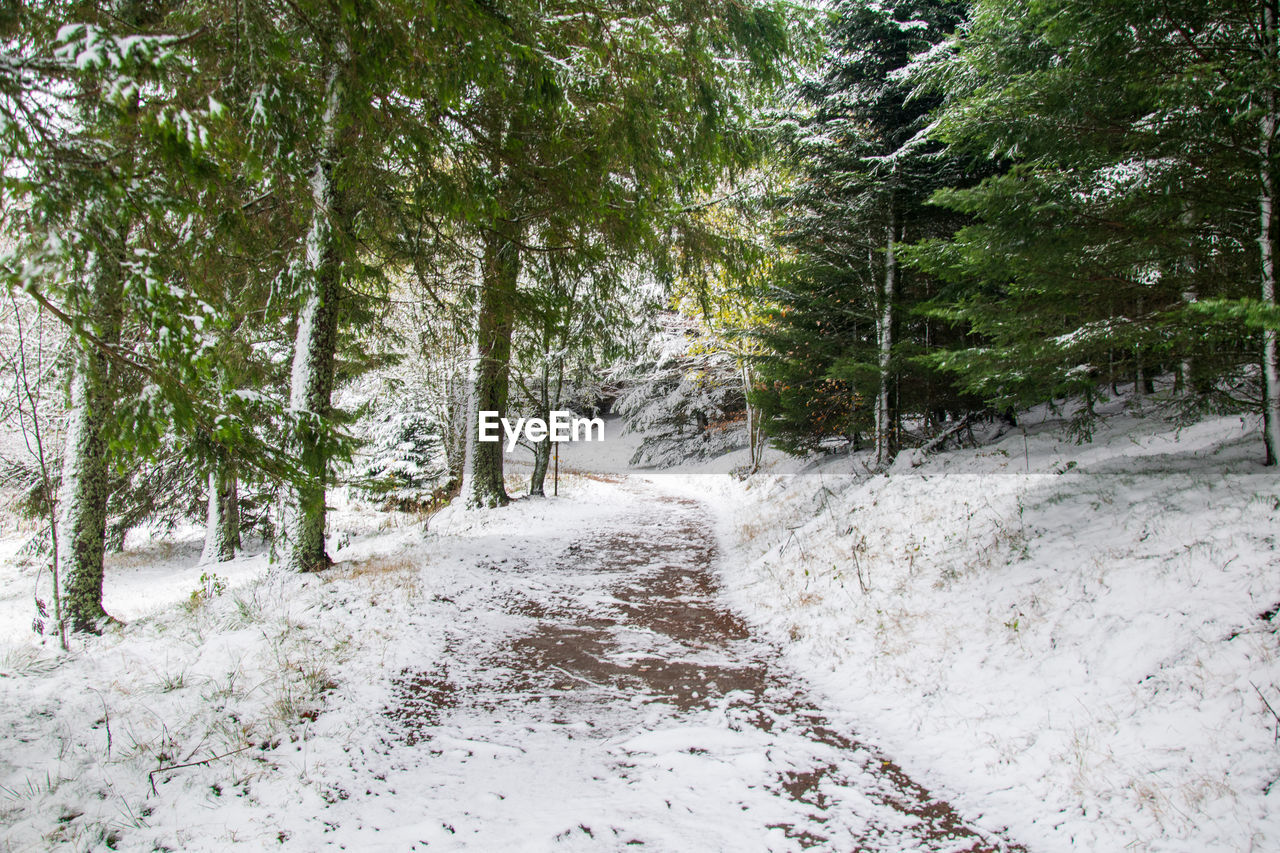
(1075, 640)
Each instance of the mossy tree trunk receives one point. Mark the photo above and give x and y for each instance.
(85, 473)
(315, 349)
(482, 476)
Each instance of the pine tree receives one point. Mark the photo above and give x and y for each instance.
(347, 104)
(604, 130)
(95, 158)
(841, 336)
(1134, 139)
(683, 397)
(728, 293)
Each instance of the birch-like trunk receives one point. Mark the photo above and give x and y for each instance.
(29, 409)
(315, 347)
(85, 474)
(884, 337)
(1266, 244)
(1183, 384)
(755, 426)
(751, 421)
(482, 475)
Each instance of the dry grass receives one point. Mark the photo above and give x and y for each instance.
(156, 551)
(377, 566)
(577, 473)
(381, 574)
(749, 531)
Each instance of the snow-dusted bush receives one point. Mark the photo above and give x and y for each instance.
(404, 465)
(686, 402)
(408, 431)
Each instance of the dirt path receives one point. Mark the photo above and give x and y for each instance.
(633, 710)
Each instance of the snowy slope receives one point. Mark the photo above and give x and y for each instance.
(1075, 639)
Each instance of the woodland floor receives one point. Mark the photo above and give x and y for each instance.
(559, 674)
(1077, 642)
(637, 710)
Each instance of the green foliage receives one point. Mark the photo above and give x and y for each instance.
(1120, 237)
(211, 587)
(862, 168)
(159, 161)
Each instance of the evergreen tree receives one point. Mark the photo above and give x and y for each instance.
(1122, 234)
(729, 295)
(684, 397)
(602, 131)
(90, 166)
(351, 99)
(840, 336)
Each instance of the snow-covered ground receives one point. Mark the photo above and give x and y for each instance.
(554, 675)
(1073, 641)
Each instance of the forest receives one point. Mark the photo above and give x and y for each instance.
(274, 270)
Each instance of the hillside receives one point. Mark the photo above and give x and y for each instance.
(1080, 640)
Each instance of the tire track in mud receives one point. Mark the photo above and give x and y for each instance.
(640, 669)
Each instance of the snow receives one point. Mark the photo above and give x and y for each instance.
(1066, 640)
(311, 699)
(87, 47)
(1065, 637)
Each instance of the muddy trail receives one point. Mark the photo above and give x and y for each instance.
(634, 710)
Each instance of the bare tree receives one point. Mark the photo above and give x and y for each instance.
(32, 368)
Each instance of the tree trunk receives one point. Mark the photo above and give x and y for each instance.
(1139, 369)
(29, 413)
(482, 481)
(1266, 244)
(542, 449)
(541, 463)
(755, 426)
(1183, 384)
(314, 351)
(884, 337)
(556, 333)
(85, 490)
(457, 394)
(222, 521)
(753, 463)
